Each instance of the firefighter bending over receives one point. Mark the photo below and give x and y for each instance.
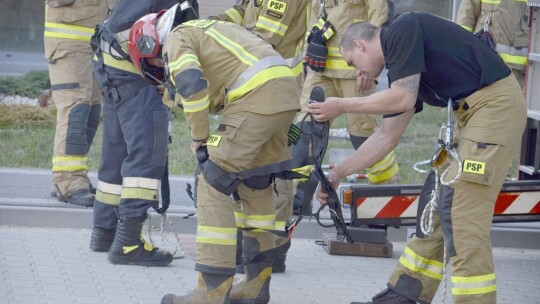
(219, 66)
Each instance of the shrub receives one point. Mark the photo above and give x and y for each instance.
(23, 116)
(30, 85)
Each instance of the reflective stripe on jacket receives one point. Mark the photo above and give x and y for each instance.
(234, 63)
(342, 14)
(69, 27)
(509, 26)
(283, 23)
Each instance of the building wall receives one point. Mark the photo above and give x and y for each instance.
(21, 22)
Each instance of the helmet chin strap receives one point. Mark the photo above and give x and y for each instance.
(167, 85)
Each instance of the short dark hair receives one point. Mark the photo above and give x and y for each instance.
(360, 30)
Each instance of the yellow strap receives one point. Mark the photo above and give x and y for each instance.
(123, 65)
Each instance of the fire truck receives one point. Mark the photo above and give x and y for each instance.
(375, 208)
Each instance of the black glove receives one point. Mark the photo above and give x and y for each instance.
(316, 49)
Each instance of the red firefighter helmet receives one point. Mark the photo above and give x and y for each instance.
(144, 44)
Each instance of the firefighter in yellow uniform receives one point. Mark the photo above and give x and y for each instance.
(219, 66)
(508, 22)
(283, 24)
(329, 71)
(69, 25)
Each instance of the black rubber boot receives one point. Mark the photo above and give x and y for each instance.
(54, 193)
(130, 248)
(278, 266)
(388, 296)
(101, 239)
(83, 198)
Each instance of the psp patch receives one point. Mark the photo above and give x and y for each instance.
(276, 8)
(200, 23)
(213, 140)
(475, 167)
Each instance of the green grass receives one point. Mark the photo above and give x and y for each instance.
(417, 144)
(31, 146)
(27, 134)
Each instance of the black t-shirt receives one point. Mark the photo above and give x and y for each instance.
(452, 62)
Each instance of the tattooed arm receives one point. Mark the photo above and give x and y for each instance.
(400, 97)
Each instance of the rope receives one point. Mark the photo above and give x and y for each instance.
(456, 158)
(178, 252)
(445, 280)
(426, 221)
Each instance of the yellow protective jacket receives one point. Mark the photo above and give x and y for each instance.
(509, 26)
(282, 23)
(341, 14)
(69, 27)
(234, 63)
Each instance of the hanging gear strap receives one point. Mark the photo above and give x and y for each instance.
(440, 162)
(318, 150)
(257, 178)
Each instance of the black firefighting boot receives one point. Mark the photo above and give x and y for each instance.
(211, 289)
(83, 198)
(101, 239)
(388, 296)
(129, 247)
(255, 288)
(278, 266)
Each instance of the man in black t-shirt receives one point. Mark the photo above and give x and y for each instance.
(432, 60)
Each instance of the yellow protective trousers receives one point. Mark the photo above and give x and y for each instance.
(77, 98)
(243, 141)
(489, 124)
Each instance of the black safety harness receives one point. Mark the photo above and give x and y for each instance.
(319, 142)
(262, 177)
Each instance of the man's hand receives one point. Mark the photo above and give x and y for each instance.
(195, 145)
(335, 180)
(324, 111)
(364, 83)
(161, 89)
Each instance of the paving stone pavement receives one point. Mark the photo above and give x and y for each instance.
(44, 258)
(54, 265)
